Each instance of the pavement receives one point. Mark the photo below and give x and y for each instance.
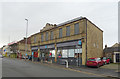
(22, 68)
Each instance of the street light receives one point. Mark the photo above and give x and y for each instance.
(26, 35)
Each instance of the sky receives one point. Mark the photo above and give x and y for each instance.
(104, 14)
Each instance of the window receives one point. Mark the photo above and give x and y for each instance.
(60, 33)
(51, 35)
(71, 53)
(42, 37)
(46, 36)
(76, 28)
(34, 39)
(64, 53)
(68, 31)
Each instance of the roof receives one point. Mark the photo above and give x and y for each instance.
(111, 49)
(116, 45)
(69, 21)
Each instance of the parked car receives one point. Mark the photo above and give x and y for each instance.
(95, 62)
(106, 60)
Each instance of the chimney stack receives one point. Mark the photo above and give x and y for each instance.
(105, 46)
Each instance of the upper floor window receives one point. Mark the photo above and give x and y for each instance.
(46, 36)
(68, 31)
(34, 39)
(42, 37)
(60, 33)
(76, 28)
(51, 35)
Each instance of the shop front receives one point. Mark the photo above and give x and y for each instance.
(46, 52)
(70, 51)
(34, 55)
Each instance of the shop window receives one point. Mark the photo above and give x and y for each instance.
(53, 53)
(71, 53)
(51, 35)
(68, 31)
(42, 37)
(78, 50)
(76, 28)
(60, 33)
(46, 36)
(64, 54)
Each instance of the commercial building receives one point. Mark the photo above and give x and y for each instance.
(113, 52)
(75, 40)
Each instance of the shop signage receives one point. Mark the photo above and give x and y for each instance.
(34, 48)
(45, 46)
(32, 53)
(78, 46)
(79, 42)
(71, 43)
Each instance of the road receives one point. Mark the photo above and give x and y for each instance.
(21, 68)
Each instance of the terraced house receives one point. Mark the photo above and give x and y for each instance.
(21, 47)
(75, 40)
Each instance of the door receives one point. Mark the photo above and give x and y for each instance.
(117, 57)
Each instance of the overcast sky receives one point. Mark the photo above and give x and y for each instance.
(13, 24)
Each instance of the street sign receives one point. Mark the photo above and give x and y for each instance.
(78, 46)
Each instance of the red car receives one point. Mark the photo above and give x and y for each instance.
(106, 60)
(97, 62)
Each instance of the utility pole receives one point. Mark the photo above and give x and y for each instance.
(26, 37)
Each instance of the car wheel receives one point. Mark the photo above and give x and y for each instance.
(105, 63)
(98, 65)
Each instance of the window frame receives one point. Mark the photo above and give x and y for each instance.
(67, 31)
(76, 30)
(60, 32)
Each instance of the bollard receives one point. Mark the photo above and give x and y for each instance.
(66, 63)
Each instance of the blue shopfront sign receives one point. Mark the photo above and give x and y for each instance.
(45, 46)
(32, 53)
(79, 42)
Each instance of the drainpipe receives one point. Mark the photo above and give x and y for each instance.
(86, 40)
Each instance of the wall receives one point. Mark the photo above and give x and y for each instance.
(94, 41)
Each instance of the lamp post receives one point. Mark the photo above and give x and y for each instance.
(26, 36)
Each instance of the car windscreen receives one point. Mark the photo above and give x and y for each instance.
(91, 60)
(104, 58)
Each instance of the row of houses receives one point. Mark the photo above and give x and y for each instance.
(76, 39)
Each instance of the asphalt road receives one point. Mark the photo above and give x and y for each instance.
(21, 68)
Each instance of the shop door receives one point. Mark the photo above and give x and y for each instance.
(78, 59)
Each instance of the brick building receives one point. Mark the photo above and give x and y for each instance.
(75, 40)
(21, 47)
